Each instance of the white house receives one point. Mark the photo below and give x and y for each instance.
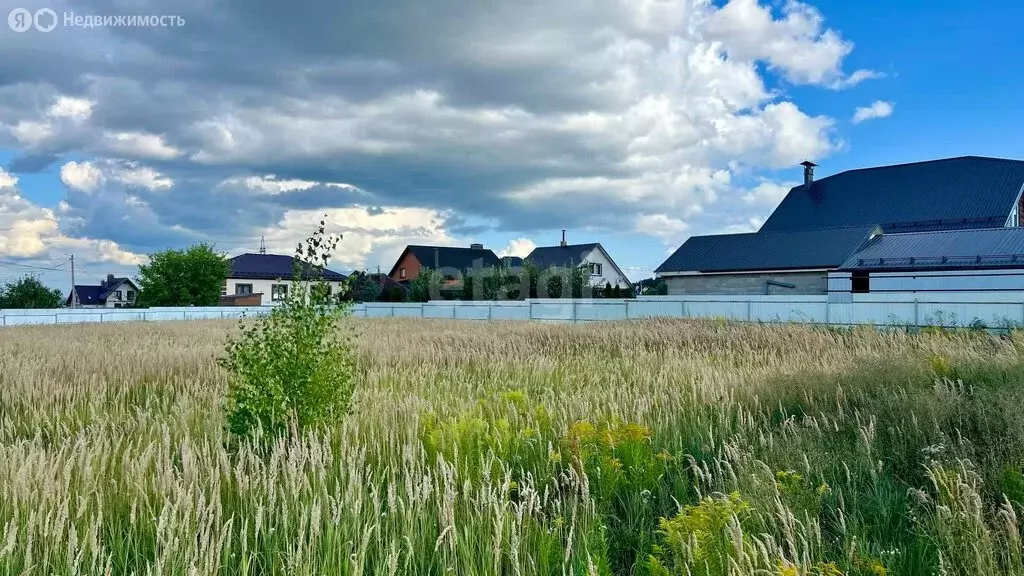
(111, 293)
(603, 270)
(268, 276)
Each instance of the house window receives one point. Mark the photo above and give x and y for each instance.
(595, 268)
(117, 294)
(278, 292)
(243, 289)
(401, 272)
(861, 283)
(131, 295)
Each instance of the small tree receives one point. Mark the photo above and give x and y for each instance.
(29, 292)
(295, 365)
(616, 292)
(192, 277)
(607, 290)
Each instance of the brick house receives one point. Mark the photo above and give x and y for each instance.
(448, 260)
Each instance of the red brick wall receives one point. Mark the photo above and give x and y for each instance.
(411, 265)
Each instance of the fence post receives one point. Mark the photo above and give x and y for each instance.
(490, 310)
(828, 317)
(749, 315)
(574, 311)
(531, 309)
(917, 321)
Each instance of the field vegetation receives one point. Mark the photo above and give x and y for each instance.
(519, 449)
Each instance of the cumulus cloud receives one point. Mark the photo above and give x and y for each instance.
(520, 247)
(878, 109)
(768, 193)
(30, 231)
(89, 176)
(399, 118)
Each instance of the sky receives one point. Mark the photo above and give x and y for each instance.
(633, 123)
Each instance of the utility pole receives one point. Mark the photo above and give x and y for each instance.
(73, 281)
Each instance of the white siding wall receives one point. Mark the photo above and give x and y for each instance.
(608, 273)
(264, 286)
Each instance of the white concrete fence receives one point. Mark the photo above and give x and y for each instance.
(993, 309)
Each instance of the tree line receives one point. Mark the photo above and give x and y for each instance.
(194, 276)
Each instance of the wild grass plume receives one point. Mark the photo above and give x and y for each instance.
(640, 448)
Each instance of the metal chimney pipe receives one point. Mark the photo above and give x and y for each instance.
(808, 172)
(563, 237)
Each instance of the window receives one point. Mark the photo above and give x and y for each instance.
(595, 269)
(243, 289)
(278, 292)
(117, 294)
(861, 283)
(131, 295)
(401, 272)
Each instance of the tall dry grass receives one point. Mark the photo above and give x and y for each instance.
(657, 447)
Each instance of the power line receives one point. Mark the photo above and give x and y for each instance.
(58, 267)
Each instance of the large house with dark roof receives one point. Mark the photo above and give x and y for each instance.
(603, 270)
(268, 276)
(113, 292)
(938, 217)
(448, 260)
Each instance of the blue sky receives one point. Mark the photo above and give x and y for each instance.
(635, 124)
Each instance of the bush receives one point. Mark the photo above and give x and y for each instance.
(294, 366)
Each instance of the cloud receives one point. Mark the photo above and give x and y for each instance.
(28, 231)
(520, 247)
(878, 109)
(516, 116)
(89, 176)
(768, 193)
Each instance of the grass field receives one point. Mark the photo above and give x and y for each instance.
(660, 447)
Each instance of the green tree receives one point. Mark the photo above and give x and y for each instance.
(191, 277)
(616, 292)
(295, 366)
(607, 290)
(29, 292)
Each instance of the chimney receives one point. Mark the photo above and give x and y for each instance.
(563, 238)
(808, 172)
(437, 260)
(110, 279)
(476, 246)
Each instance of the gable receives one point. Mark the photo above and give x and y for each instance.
(954, 193)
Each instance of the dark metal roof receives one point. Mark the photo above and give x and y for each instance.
(87, 294)
(272, 267)
(98, 294)
(807, 249)
(512, 261)
(450, 257)
(560, 256)
(983, 248)
(109, 286)
(952, 193)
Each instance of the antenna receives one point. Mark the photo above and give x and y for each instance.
(263, 245)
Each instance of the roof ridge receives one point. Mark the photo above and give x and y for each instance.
(955, 231)
(918, 162)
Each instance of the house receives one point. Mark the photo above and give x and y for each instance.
(269, 276)
(833, 234)
(113, 292)
(448, 260)
(603, 270)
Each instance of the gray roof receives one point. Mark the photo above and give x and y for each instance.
(560, 256)
(951, 193)
(450, 257)
(971, 249)
(807, 249)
